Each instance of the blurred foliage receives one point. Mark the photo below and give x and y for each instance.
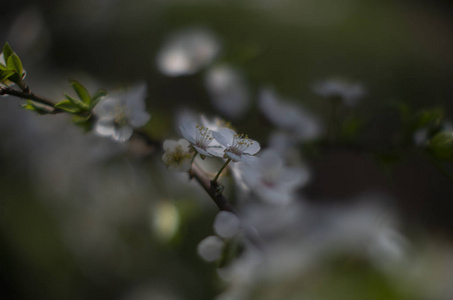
(398, 49)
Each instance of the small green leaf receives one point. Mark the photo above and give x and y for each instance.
(36, 107)
(68, 106)
(5, 75)
(7, 51)
(429, 117)
(15, 64)
(441, 145)
(84, 121)
(81, 91)
(81, 119)
(97, 97)
(78, 103)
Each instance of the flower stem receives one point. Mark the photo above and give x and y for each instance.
(193, 158)
(221, 169)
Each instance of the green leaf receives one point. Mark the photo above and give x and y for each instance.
(78, 103)
(68, 106)
(81, 91)
(15, 64)
(5, 75)
(81, 119)
(441, 145)
(7, 52)
(433, 116)
(36, 107)
(97, 97)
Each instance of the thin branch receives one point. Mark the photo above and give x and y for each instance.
(211, 188)
(28, 95)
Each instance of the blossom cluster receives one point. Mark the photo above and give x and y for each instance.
(209, 140)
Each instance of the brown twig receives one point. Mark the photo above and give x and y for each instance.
(211, 188)
(27, 94)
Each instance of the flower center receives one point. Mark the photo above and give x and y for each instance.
(121, 118)
(179, 156)
(204, 137)
(240, 144)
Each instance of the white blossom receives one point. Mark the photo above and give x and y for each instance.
(237, 147)
(271, 181)
(210, 249)
(349, 92)
(226, 224)
(121, 112)
(177, 156)
(293, 118)
(228, 91)
(187, 52)
(201, 138)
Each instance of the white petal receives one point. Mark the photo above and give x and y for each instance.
(216, 151)
(188, 132)
(253, 148)
(187, 52)
(224, 136)
(233, 156)
(184, 144)
(270, 159)
(201, 151)
(251, 160)
(226, 224)
(210, 248)
(123, 133)
(105, 127)
(292, 178)
(139, 118)
(136, 97)
(169, 145)
(274, 196)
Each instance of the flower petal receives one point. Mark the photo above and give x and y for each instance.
(233, 156)
(188, 132)
(122, 134)
(253, 148)
(169, 145)
(248, 159)
(139, 118)
(201, 151)
(216, 151)
(105, 127)
(224, 136)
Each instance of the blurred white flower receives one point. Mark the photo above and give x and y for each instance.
(271, 181)
(177, 156)
(187, 116)
(201, 139)
(302, 124)
(226, 224)
(237, 147)
(187, 52)
(297, 243)
(121, 112)
(349, 92)
(228, 91)
(210, 249)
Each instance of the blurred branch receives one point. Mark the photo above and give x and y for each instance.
(28, 95)
(211, 188)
